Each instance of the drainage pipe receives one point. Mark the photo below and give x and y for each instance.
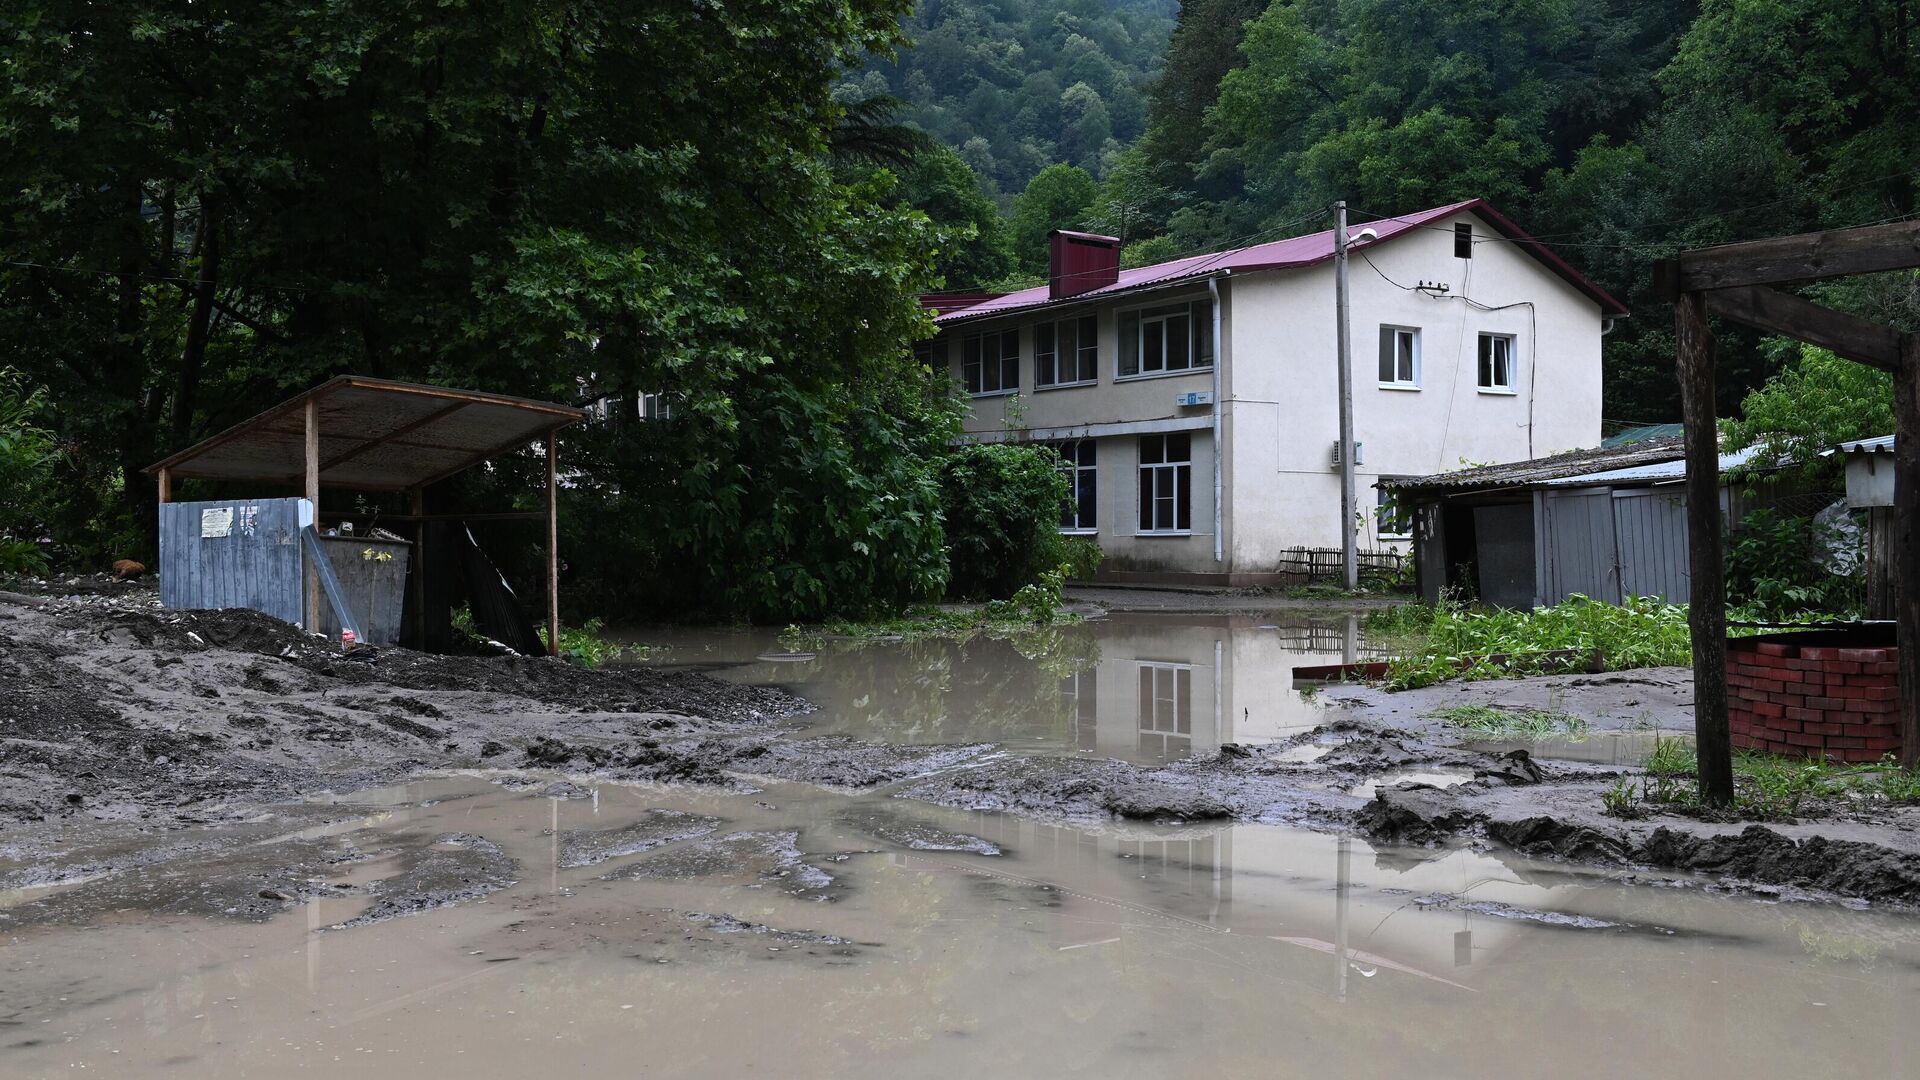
(1219, 359)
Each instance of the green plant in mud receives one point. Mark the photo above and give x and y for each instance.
(27, 455)
(1768, 787)
(1450, 640)
(1510, 723)
(1622, 798)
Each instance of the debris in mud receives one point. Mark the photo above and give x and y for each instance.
(456, 868)
(752, 859)
(657, 828)
(1513, 767)
(1565, 920)
(218, 878)
(728, 924)
(916, 835)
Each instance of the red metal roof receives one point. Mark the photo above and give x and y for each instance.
(1299, 251)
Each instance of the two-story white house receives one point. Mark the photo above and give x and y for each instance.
(1195, 402)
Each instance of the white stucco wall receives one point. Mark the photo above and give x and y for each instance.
(1283, 407)
(1278, 394)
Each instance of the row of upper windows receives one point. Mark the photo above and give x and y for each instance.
(1400, 360)
(1164, 340)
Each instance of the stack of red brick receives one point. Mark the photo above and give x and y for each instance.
(1814, 701)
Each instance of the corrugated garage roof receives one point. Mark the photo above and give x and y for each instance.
(1665, 472)
(375, 435)
(1881, 445)
(1299, 251)
(1580, 463)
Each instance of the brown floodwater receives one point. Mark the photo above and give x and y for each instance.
(795, 931)
(1142, 688)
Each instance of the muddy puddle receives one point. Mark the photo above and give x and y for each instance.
(644, 930)
(1139, 688)
(503, 923)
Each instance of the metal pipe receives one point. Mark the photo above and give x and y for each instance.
(1219, 354)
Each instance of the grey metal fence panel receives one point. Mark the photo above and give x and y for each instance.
(1652, 527)
(242, 553)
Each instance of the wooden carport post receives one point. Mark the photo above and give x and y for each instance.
(1906, 541)
(312, 493)
(553, 544)
(1707, 587)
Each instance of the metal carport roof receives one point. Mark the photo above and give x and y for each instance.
(374, 435)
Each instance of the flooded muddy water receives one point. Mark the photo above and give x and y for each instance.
(1139, 688)
(534, 924)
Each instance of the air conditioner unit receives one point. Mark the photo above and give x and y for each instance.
(1192, 398)
(1359, 454)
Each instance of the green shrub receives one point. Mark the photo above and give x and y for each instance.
(1081, 557)
(1641, 633)
(27, 453)
(1001, 512)
(1773, 569)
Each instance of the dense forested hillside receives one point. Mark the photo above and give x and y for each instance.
(1616, 130)
(1017, 85)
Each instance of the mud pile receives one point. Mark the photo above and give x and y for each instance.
(119, 711)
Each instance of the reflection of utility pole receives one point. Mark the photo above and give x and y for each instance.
(1351, 649)
(1341, 872)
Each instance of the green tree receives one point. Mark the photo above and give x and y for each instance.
(1815, 403)
(1059, 197)
(209, 206)
(974, 247)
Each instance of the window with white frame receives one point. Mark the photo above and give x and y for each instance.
(1066, 353)
(1081, 694)
(1166, 339)
(1496, 363)
(1400, 357)
(1391, 519)
(655, 407)
(1077, 462)
(990, 362)
(1166, 708)
(1166, 483)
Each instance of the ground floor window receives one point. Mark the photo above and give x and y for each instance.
(1080, 691)
(1166, 709)
(1166, 483)
(1076, 460)
(1391, 520)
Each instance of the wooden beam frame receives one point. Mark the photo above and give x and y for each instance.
(1806, 257)
(1729, 281)
(1850, 336)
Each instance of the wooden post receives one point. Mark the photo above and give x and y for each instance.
(1707, 605)
(1906, 542)
(553, 545)
(312, 492)
(417, 570)
(165, 479)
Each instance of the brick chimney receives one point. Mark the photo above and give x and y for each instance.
(1080, 262)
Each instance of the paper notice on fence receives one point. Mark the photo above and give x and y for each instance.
(216, 522)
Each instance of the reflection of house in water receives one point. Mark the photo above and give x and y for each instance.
(1165, 690)
(1299, 905)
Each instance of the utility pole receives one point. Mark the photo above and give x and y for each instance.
(1348, 552)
